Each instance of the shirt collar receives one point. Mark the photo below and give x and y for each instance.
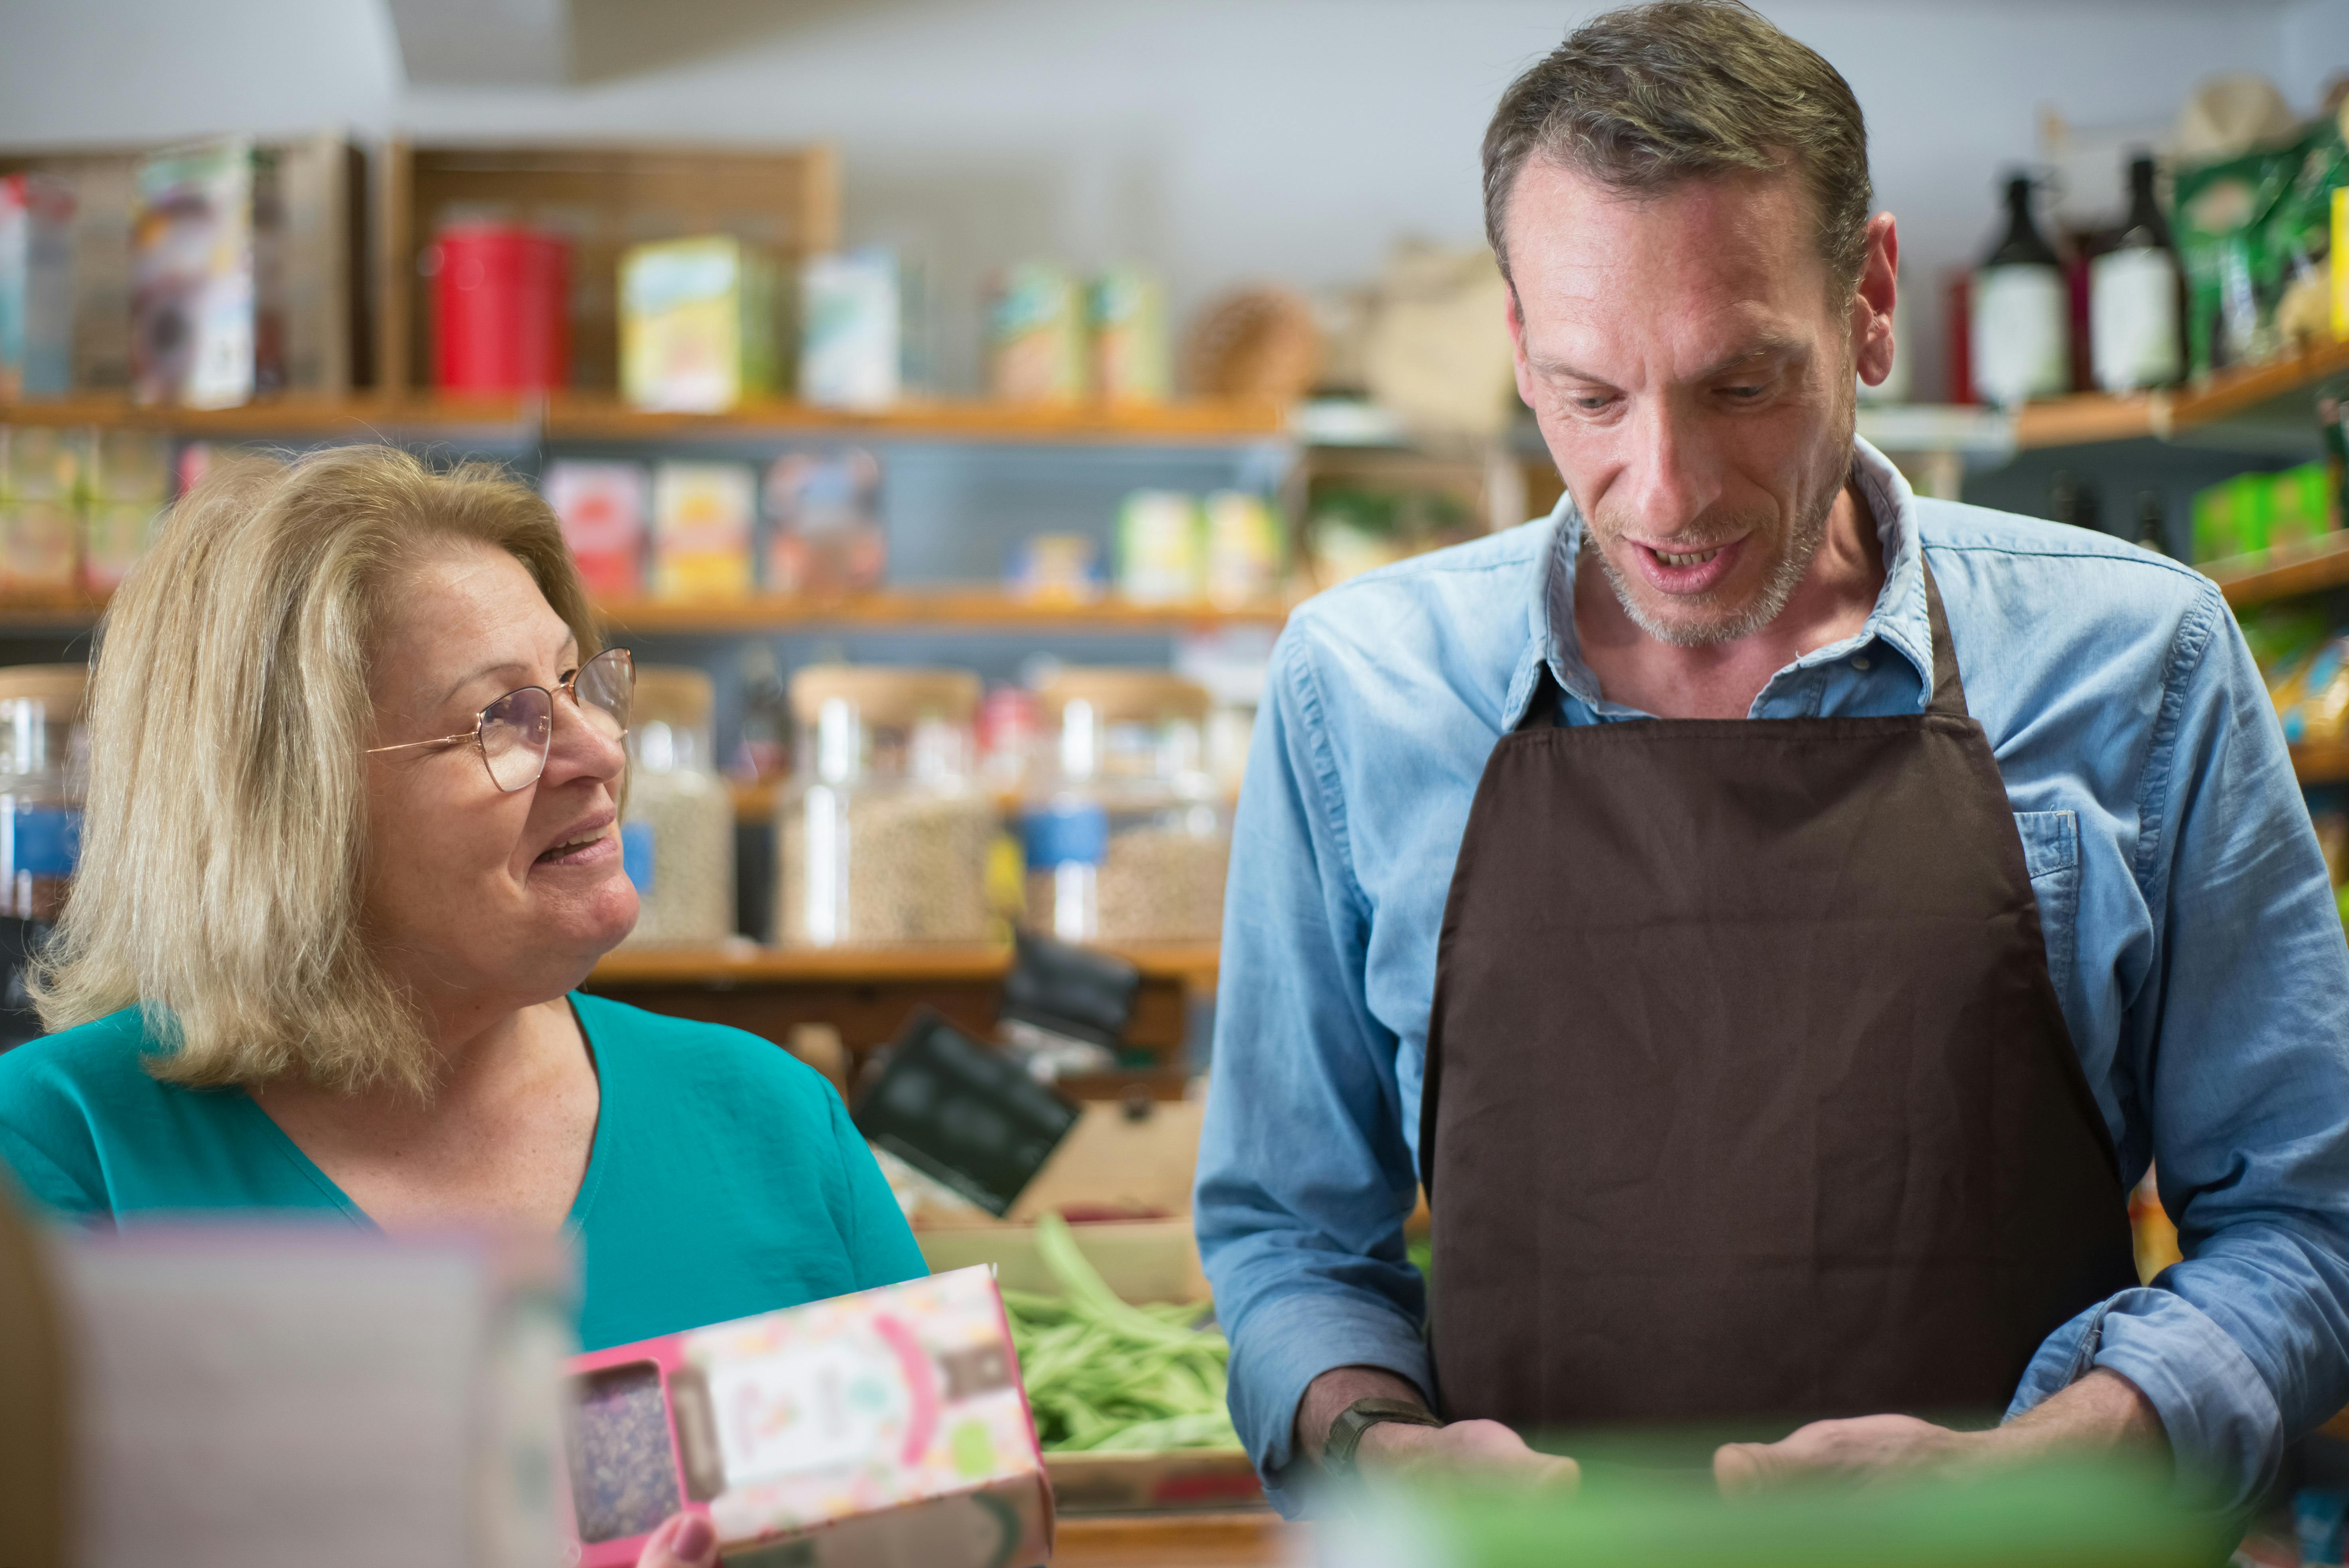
(1900, 619)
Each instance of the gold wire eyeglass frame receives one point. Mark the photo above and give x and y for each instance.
(618, 663)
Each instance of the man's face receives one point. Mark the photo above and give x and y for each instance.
(1691, 366)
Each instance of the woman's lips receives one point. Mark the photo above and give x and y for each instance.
(1689, 571)
(603, 847)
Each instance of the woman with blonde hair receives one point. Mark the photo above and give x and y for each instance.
(351, 841)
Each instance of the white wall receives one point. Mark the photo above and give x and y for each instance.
(1218, 140)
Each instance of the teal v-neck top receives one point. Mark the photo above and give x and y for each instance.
(725, 1178)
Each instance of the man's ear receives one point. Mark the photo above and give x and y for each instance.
(1871, 306)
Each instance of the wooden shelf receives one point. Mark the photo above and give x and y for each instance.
(749, 964)
(918, 608)
(1255, 1537)
(579, 418)
(2280, 390)
(2322, 764)
(924, 607)
(2248, 580)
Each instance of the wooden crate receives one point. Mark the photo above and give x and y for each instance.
(330, 340)
(605, 198)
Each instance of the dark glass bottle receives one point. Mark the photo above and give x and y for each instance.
(2134, 296)
(2021, 346)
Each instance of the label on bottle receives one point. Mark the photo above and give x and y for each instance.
(637, 855)
(1064, 833)
(2133, 319)
(42, 840)
(2019, 348)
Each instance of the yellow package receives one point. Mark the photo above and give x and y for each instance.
(2316, 711)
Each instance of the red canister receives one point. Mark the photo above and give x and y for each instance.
(502, 319)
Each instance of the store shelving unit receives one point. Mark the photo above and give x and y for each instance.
(588, 417)
(868, 994)
(2280, 395)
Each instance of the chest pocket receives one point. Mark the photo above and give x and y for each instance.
(2051, 853)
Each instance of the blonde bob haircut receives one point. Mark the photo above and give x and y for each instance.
(224, 840)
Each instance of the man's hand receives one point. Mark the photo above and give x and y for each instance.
(683, 1541)
(2102, 1413)
(1391, 1447)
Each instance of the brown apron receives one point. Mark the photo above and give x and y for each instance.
(1748, 1097)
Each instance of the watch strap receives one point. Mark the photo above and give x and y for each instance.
(1346, 1431)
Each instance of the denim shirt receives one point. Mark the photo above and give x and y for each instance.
(2190, 932)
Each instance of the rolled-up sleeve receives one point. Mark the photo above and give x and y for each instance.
(2237, 1036)
(1305, 1178)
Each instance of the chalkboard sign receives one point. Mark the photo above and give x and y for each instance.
(963, 1113)
(1080, 992)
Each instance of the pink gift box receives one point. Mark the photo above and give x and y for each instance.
(887, 1426)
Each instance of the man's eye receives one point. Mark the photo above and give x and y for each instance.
(1743, 394)
(1590, 402)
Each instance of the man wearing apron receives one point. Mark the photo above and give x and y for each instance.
(1775, 919)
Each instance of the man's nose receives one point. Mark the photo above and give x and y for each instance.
(1672, 473)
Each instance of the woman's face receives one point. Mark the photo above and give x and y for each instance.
(477, 897)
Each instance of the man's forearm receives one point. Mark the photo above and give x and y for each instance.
(1327, 1396)
(2103, 1412)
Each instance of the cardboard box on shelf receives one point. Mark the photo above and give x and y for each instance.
(887, 1426)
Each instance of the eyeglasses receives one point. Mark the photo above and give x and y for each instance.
(514, 732)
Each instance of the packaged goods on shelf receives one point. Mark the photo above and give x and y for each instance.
(2264, 512)
(2134, 296)
(1132, 362)
(44, 764)
(1127, 837)
(887, 1426)
(207, 301)
(602, 507)
(37, 213)
(885, 834)
(1055, 569)
(1036, 336)
(676, 833)
(1246, 549)
(125, 485)
(703, 517)
(2313, 698)
(1009, 725)
(2255, 237)
(1161, 549)
(851, 329)
(2020, 312)
(501, 308)
(698, 324)
(826, 536)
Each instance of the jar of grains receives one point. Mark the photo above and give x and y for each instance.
(1127, 837)
(884, 836)
(676, 829)
(44, 766)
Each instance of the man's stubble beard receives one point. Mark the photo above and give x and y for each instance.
(1785, 574)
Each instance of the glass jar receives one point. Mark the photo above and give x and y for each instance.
(1127, 839)
(885, 834)
(43, 769)
(676, 828)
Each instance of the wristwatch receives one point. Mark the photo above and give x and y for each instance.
(1346, 1431)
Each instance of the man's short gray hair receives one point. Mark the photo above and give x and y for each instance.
(1650, 96)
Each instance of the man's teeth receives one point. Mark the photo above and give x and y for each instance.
(1697, 559)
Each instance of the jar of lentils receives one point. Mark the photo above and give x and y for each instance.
(883, 838)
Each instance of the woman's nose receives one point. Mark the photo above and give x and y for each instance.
(583, 744)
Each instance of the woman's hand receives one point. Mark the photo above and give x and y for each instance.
(683, 1541)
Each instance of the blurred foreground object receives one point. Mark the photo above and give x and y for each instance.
(2053, 1516)
(33, 1375)
(253, 1395)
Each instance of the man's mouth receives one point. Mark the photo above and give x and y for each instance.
(1699, 558)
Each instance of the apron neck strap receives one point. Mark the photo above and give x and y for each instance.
(1546, 709)
(1949, 698)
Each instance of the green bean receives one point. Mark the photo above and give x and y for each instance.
(1106, 1376)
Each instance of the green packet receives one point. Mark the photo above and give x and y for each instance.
(2219, 220)
(2053, 1515)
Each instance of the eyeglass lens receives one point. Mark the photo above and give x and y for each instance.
(518, 728)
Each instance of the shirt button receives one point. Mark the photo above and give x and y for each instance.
(1859, 661)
